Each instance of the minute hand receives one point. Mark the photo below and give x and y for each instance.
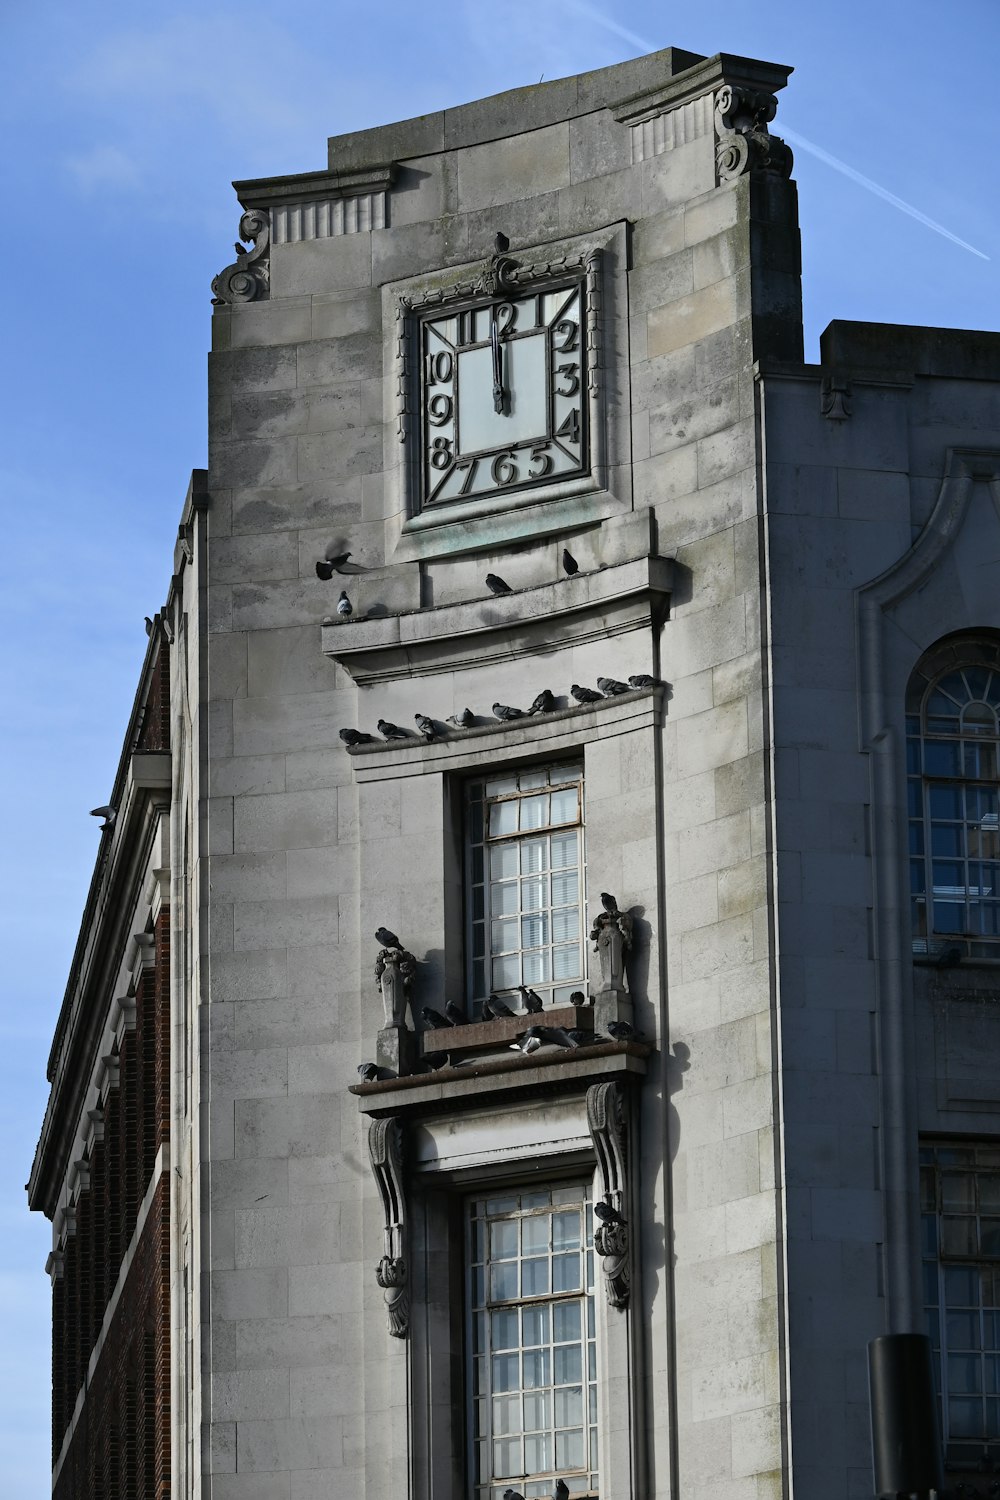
(499, 394)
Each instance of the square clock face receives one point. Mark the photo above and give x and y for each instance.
(503, 394)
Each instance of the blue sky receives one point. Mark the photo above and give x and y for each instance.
(124, 125)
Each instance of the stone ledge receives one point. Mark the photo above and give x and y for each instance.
(549, 734)
(545, 1072)
(475, 633)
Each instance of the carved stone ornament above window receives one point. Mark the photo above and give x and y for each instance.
(248, 279)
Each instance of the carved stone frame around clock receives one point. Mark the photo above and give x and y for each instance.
(598, 259)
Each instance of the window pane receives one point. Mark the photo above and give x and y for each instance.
(535, 1234)
(533, 893)
(534, 856)
(569, 1406)
(564, 888)
(503, 1328)
(565, 925)
(566, 1322)
(535, 1326)
(534, 812)
(506, 1415)
(564, 805)
(504, 936)
(564, 847)
(565, 962)
(569, 1450)
(503, 861)
(534, 931)
(503, 818)
(535, 1277)
(505, 973)
(942, 758)
(503, 899)
(536, 967)
(504, 1372)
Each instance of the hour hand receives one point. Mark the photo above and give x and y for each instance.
(499, 394)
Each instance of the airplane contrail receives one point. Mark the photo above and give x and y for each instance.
(641, 44)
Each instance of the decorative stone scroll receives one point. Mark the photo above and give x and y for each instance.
(248, 279)
(743, 142)
(385, 1150)
(606, 1121)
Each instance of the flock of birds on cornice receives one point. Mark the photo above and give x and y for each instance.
(545, 703)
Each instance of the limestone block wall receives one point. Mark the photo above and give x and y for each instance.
(305, 1393)
(858, 586)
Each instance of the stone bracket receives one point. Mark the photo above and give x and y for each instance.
(385, 1151)
(248, 279)
(612, 1241)
(743, 143)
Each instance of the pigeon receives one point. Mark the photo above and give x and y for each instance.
(149, 624)
(501, 243)
(434, 1060)
(504, 711)
(583, 1038)
(578, 998)
(561, 1491)
(559, 1036)
(435, 1019)
(608, 1215)
(622, 1031)
(543, 704)
(529, 999)
(643, 680)
(456, 1015)
(463, 720)
(496, 585)
(109, 814)
(610, 687)
(330, 565)
(391, 731)
(354, 737)
(569, 562)
(386, 938)
(526, 1043)
(585, 695)
(610, 903)
(369, 1071)
(494, 1007)
(509, 1494)
(426, 726)
(344, 604)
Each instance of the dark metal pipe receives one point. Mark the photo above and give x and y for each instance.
(906, 1446)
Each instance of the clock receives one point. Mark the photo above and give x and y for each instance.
(497, 394)
(503, 393)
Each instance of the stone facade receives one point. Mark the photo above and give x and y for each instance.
(742, 1078)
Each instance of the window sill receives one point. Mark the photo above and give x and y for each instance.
(501, 1078)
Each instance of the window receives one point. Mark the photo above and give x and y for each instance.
(953, 736)
(533, 1363)
(960, 1224)
(524, 881)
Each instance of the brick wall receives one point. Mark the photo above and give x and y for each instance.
(119, 1434)
(155, 731)
(120, 1449)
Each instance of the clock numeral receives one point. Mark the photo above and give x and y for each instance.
(569, 332)
(439, 367)
(441, 454)
(540, 455)
(505, 318)
(470, 465)
(570, 426)
(504, 469)
(571, 374)
(439, 409)
(467, 326)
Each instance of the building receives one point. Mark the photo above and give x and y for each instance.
(525, 380)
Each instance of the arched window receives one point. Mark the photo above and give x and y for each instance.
(952, 744)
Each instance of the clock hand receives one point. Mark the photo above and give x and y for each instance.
(499, 394)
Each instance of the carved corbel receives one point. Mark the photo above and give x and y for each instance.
(835, 398)
(391, 1273)
(743, 142)
(606, 1121)
(248, 279)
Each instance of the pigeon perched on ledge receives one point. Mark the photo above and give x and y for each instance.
(455, 1014)
(643, 680)
(569, 562)
(369, 1071)
(464, 720)
(607, 1214)
(497, 585)
(494, 1008)
(344, 606)
(529, 999)
(584, 694)
(611, 687)
(543, 704)
(386, 938)
(354, 737)
(390, 731)
(435, 1019)
(503, 711)
(622, 1031)
(427, 726)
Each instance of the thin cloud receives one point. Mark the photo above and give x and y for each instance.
(103, 169)
(641, 44)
